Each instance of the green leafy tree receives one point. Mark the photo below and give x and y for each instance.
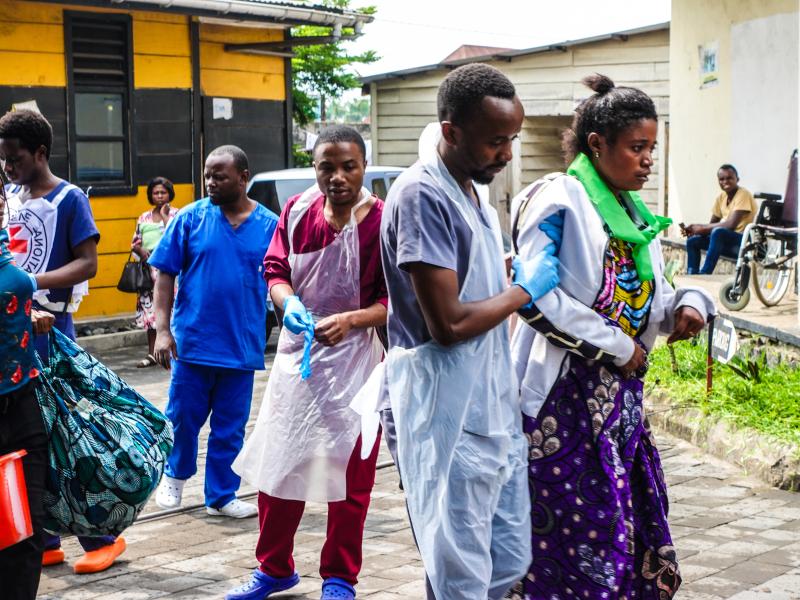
(355, 110)
(322, 72)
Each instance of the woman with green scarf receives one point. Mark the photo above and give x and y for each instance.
(598, 497)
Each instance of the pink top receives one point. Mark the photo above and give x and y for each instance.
(313, 233)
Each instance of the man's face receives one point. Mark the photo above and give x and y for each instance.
(21, 167)
(340, 170)
(483, 142)
(224, 182)
(728, 181)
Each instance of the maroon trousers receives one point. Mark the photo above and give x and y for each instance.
(341, 554)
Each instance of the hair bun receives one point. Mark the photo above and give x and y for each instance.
(598, 83)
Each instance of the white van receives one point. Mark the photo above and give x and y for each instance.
(274, 188)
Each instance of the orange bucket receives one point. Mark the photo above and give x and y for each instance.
(15, 514)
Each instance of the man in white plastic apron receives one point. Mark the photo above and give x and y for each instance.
(454, 398)
(324, 270)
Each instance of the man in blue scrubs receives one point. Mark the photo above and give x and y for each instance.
(214, 339)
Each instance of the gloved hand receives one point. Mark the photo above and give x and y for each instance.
(538, 275)
(553, 227)
(295, 316)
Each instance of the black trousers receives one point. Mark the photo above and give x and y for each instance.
(21, 427)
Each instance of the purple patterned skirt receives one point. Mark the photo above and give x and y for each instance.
(598, 496)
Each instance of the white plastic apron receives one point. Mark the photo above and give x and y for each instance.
(306, 430)
(32, 228)
(459, 435)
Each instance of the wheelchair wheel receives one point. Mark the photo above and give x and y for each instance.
(771, 281)
(730, 300)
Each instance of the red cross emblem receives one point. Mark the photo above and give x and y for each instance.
(17, 246)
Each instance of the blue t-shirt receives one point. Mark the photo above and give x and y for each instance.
(16, 343)
(420, 224)
(75, 225)
(220, 309)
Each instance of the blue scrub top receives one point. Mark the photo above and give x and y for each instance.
(220, 309)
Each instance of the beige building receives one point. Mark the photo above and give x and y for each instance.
(733, 98)
(547, 79)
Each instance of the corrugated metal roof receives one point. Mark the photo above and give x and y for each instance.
(285, 13)
(510, 55)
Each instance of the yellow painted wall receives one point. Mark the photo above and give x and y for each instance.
(32, 54)
(116, 219)
(701, 121)
(234, 75)
(32, 46)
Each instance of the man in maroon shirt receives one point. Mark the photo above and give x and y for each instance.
(323, 269)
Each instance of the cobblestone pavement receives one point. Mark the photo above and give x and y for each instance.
(736, 538)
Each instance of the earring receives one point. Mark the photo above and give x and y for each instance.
(596, 154)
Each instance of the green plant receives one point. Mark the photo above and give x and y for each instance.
(300, 156)
(749, 369)
(322, 71)
(756, 393)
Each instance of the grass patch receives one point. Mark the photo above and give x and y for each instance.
(771, 405)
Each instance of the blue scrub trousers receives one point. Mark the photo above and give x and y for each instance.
(65, 325)
(721, 242)
(195, 392)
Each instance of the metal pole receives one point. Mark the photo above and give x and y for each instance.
(709, 360)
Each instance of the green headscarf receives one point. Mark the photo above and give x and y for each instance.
(615, 216)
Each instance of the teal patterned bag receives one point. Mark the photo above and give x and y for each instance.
(108, 445)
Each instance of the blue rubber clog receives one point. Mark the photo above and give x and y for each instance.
(261, 586)
(334, 588)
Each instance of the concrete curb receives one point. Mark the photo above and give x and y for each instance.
(113, 341)
(775, 462)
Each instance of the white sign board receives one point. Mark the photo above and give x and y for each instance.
(222, 108)
(725, 342)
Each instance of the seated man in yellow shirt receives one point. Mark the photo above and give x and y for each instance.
(733, 209)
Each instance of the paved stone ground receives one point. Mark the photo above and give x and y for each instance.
(784, 316)
(735, 537)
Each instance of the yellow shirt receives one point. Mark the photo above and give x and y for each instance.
(742, 200)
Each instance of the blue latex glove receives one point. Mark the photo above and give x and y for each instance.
(553, 227)
(295, 316)
(305, 364)
(538, 275)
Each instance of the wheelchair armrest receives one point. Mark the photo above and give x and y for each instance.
(765, 196)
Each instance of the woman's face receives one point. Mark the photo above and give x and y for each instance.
(160, 195)
(625, 165)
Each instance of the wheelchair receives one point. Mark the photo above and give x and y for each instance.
(768, 249)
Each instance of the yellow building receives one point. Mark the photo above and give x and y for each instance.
(733, 67)
(146, 88)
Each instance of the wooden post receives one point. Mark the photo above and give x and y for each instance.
(709, 360)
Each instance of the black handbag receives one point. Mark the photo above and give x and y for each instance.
(136, 277)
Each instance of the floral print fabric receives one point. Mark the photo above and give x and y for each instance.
(598, 496)
(16, 343)
(108, 445)
(145, 309)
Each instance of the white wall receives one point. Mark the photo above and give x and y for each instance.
(764, 106)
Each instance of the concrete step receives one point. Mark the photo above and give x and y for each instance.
(100, 334)
(102, 342)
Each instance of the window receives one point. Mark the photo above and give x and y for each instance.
(379, 187)
(99, 64)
